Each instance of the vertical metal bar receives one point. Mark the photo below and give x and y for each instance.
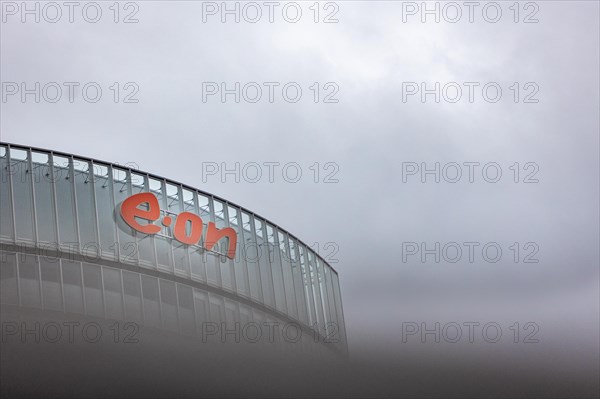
(75, 210)
(18, 270)
(95, 205)
(189, 248)
(123, 295)
(179, 329)
(268, 261)
(229, 261)
(288, 249)
(62, 286)
(11, 194)
(41, 289)
(213, 218)
(129, 185)
(102, 291)
(203, 274)
(142, 298)
(278, 263)
(242, 251)
(55, 202)
(152, 238)
(29, 171)
(159, 299)
(83, 288)
(12, 201)
(261, 294)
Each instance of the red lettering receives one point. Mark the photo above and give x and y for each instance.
(130, 211)
(214, 234)
(179, 232)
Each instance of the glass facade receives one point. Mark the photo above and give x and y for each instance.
(66, 248)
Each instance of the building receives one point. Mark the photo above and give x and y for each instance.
(91, 241)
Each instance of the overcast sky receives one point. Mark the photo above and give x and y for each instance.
(368, 136)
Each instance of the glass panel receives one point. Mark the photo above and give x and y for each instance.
(246, 222)
(217, 308)
(219, 213)
(163, 245)
(250, 253)
(265, 268)
(29, 281)
(151, 305)
(100, 170)
(212, 268)
(331, 301)
(106, 211)
(189, 204)
(9, 291)
(92, 282)
(180, 257)
(145, 245)
(314, 287)
(113, 297)
(288, 280)
(155, 186)
(239, 264)
(22, 185)
(308, 293)
(168, 300)
(231, 314)
(86, 210)
(133, 297)
(275, 260)
(185, 299)
(72, 286)
(204, 207)
(298, 277)
(232, 213)
(119, 179)
(51, 283)
(201, 307)
(338, 306)
(226, 266)
(321, 285)
(44, 198)
(6, 227)
(128, 247)
(138, 183)
(245, 316)
(213, 274)
(163, 252)
(18, 155)
(172, 199)
(64, 200)
(198, 263)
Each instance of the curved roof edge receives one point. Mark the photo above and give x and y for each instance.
(94, 160)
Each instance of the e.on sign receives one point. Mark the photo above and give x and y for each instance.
(131, 212)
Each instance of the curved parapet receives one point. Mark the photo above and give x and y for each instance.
(89, 237)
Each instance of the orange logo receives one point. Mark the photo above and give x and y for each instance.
(130, 212)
